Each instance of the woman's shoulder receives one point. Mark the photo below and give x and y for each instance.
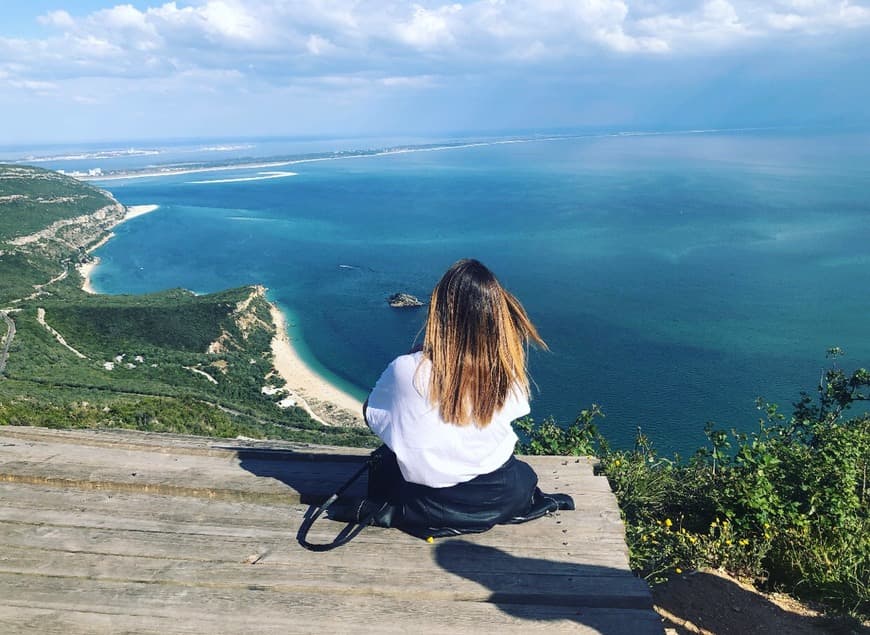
(405, 364)
(396, 391)
(400, 372)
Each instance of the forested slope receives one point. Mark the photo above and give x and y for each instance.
(165, 361)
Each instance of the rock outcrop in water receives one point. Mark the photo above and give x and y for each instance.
(403, 301)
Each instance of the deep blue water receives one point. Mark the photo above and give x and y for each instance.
(675, 277)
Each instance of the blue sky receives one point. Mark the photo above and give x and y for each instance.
(98, 70)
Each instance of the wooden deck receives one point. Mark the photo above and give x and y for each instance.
(122, 532)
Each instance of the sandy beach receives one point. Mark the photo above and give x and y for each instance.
(138, 210)
(86, 269)
(312, 392)
(182, 171)
(278, 164)
(323, 401)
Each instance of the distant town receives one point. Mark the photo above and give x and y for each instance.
(78, 173)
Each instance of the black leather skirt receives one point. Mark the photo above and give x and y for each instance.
(505, 495)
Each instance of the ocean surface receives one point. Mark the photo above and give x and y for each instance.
(675, 277)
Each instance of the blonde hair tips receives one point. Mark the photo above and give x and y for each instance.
(475, 338)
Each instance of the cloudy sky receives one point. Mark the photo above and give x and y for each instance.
(97, 70)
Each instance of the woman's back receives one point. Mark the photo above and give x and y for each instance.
(429, 450)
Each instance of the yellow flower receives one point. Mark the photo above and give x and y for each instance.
(430, 540)
(616, 463)
(728, 542)
(743, 542)
(668, 522)
(678, 570)
(766, 525)
(644, 538)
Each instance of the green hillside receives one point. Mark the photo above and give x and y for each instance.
(168, 361)
(31, 199)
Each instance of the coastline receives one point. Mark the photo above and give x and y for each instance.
(86, 269)
(138, 210)
(324, 401)
(183, 171)
(341, 156)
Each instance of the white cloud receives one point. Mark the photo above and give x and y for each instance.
(817, 16)
(388, 41)
(86, 100)
(317, 45)
(35, 86)
(416, 82)
(429, 29)
(713, 24)
(124, 16)
(59, 19)
(230, 20)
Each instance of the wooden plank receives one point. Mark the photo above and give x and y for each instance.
(109, 606)
(374, 543)
(204, 535)
(278, 450)
(43, 443)
(231, 475)
(169, 443)
(268, 515)
(488, 573)
(557, 532)
(279, 548)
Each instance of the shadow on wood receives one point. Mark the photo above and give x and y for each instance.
(315, 476)
(538, 582)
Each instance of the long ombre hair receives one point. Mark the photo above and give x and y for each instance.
(476, 339)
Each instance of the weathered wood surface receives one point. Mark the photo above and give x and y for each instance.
(117, 532)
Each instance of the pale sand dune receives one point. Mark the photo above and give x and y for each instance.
(86, 269)
(304, 383)
(262, 176)
(138, 210)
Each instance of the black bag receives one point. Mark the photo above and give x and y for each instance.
(379, 475)
(505, 496)
(385, 477)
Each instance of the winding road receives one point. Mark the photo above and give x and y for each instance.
(7, 341)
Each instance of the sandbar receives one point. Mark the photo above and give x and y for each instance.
(311, 391)
(182, 171)
(138, 210)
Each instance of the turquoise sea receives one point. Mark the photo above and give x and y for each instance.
(676, 277)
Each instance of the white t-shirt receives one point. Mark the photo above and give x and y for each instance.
(429, 450)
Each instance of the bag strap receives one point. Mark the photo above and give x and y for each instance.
(350, 531)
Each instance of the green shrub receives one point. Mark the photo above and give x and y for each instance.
(787, 505)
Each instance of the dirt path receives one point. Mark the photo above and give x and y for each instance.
(201, 372)
(710, 602)
(39, 287)
(7, 340)
(40, 317)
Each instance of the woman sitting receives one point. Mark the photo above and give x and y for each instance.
(444, 414)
